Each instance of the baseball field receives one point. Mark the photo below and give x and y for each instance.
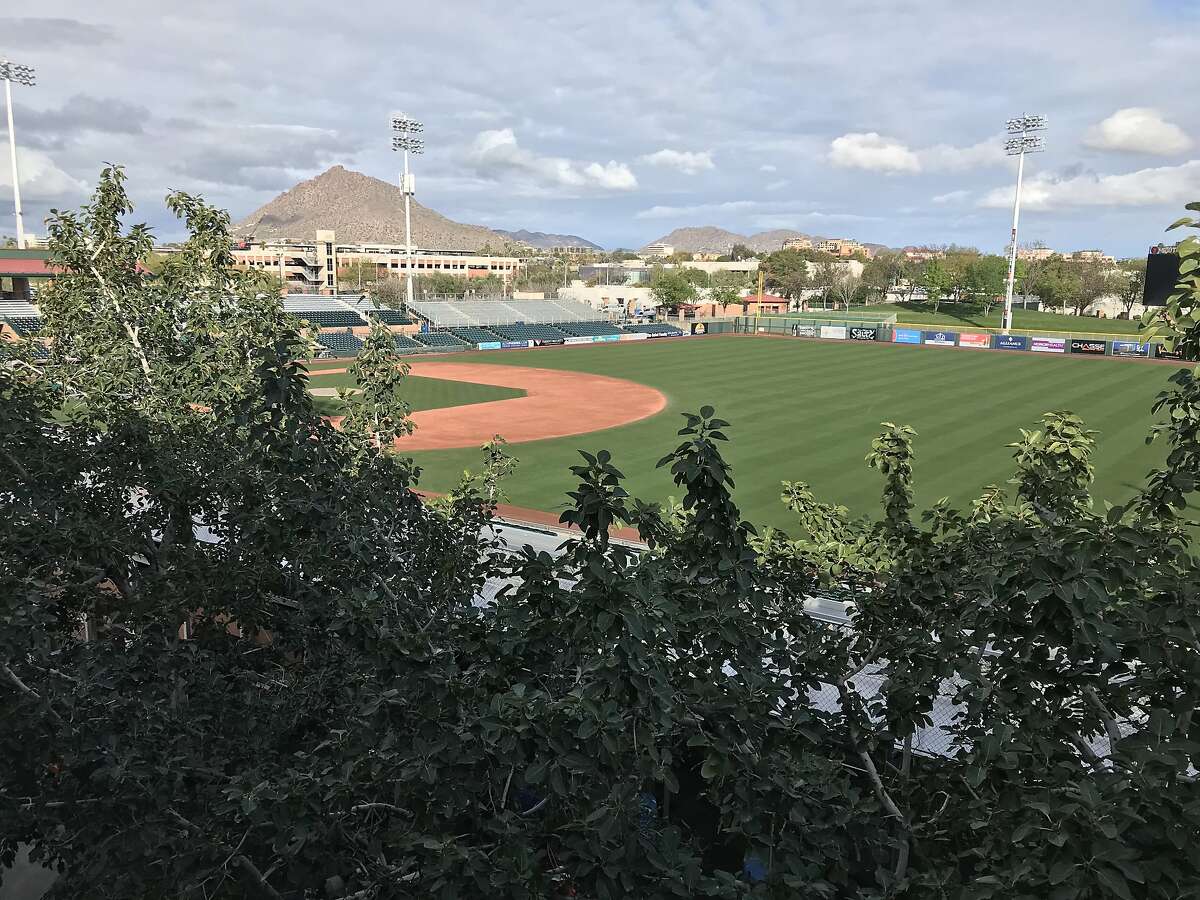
(800, 410)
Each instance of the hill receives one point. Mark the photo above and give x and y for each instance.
(359, 209)
(544, 240)
(710, 239)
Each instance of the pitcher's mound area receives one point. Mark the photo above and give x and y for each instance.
(556, 404)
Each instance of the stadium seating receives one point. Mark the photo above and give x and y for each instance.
(341, 343)
(442, 340)
(590, 329)
(387, 316)
(458, 313)
(654, 329)
(476, 335)
(405, 344)
(24, 324)
(530, 332)
(332, 318)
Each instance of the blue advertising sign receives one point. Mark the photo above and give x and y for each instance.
(514, 345)
(906, 336)
(1010, 342)
(489, 345)
(1130, 348)
(940, 338)
(608, 338)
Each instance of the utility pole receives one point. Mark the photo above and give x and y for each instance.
(404, 137)
(23, 75)
(1024, 142)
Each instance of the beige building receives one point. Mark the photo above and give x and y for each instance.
(311, 267)
(1033, 254)
(659, 250)
(1094, 256)
(800, 243)
(844, 247)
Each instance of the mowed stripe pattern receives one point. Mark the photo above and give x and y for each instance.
(807, 411)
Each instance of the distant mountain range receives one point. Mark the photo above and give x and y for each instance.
(711, 239)
(360, 209)
(545, 241)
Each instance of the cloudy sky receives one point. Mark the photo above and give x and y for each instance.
(877, 119)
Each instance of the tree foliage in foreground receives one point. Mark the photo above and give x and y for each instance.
(313, 704)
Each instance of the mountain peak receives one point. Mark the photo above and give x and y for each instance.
(358, 208)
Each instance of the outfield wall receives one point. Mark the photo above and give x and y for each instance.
(1066, 343)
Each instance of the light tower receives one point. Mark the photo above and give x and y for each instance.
(11, 72)
(404, 137)
(1022, 142)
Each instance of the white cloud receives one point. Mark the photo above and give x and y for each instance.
(496, 155)
(699, 209)
(876, 153)
(767, 167)
(1165, 185)
(41, 179)
(952, 197)
(1138, 129)
(873, 152)
(778, 185)
(686, 161)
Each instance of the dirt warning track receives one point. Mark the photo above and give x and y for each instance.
(556, 404)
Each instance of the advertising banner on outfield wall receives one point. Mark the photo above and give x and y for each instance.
(608, 338)
(538, 342)
(579, 340)
(1010, 342)
(940, 338)
(804, 330)
(633, 336)
(1095, 348)
(699, 328)
(833, 332)
(514, 345)
(859, 333)
(1130, 348)
(489, 345)
(1048, 345)
(906, 336)
(1161, 352)
(974, 340)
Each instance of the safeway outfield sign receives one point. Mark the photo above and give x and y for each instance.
(939, 338)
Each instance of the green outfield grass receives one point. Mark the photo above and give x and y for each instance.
(966, 316)
(421, 393)
(807, 410)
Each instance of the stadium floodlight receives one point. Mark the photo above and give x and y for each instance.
(22, 75)
(405, 140)
(1018, 146)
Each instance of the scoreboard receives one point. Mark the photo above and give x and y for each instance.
(1162, 272)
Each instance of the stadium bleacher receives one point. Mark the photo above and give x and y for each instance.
(530, 332)
(476, 335)
(387, 316)
(458, 313)
(442, 340)
(405, 344)
(341, 343)
(24, 324)
(590, 329)
(23, 317)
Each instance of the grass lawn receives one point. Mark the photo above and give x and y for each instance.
(421, 393)
(969, 316)
(804, 410)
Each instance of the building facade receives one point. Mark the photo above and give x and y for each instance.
(311, 267)
(843, 247)
(797, 243)
(659, 250)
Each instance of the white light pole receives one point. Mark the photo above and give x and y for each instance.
(1018, 146)
(11, 72)
(404, 137)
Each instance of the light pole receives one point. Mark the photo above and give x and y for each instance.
(404, 137)
(1023, 142)
(11, 72)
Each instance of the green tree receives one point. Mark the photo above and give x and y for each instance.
(739, 252)
(358, 274)
(671, 287)
(937, 281)
(881, 273)
(1131, 287)
(288, 689)
(787, 272)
